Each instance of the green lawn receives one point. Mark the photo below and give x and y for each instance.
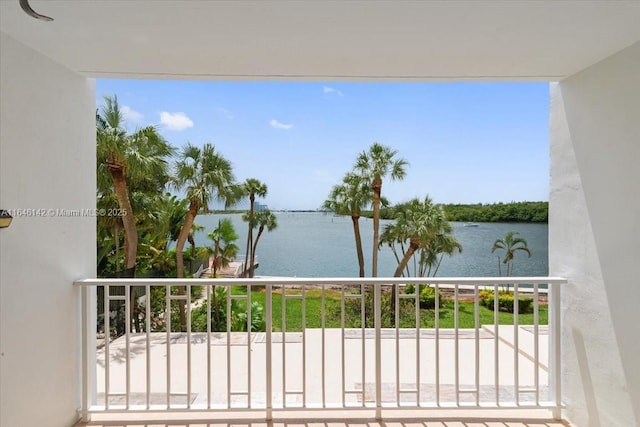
(313, 307)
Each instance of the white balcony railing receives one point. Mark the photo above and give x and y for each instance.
(326, 343)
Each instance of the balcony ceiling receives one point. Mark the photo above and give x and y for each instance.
(322, 40)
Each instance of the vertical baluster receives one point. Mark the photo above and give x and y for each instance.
(396, 298)
(304, 347)
(209, 372)
(284, 347)
(418, 341)
(456, 322)
(249, 319)
(496, 344)
(228, 320)
(147, 326)
(107, 342)
(516, 347)
(342, 378)
(476, 321)
(127, 339)
(363, 327)
(188, 308)
(378, 343)
(536, 342)
(437, 339)
(167, 316)
(268, 361)
(323, 321)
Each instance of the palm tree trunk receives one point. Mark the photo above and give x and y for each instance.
(377, 190)
(216, 251)
(398, 273)
(437, 266)
(116, 231)
(405, 260)
(130, 232)
(249, 250)
(192, 252)
(182, 238)
(356, 232)
(253, 250)
(128, 220)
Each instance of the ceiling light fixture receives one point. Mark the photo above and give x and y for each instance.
(24, 4)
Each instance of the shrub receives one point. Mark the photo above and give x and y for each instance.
(238, 316)
(427, 295)
(506, 301)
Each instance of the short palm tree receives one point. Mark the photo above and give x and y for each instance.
(510, 244)
(252, 188)
(392, 238)
(349, 198)
(374, 165)
(432, 256)
(419, 223)
(225, 249)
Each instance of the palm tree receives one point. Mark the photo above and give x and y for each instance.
(253, 188)
(134, 162)
(431, 257)
(224, 246)
(375, 165)
(349, 198)
(205, 175)
(510, 244)
(391, 237)
(420, 223)
(261, 220)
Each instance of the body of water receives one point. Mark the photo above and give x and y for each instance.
(323, 245)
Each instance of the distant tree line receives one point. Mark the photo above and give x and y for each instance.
(499, 212)
(495, 212)
(537, 212)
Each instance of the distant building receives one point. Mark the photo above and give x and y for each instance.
(260, 207)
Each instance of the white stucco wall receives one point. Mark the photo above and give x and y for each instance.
(594, 230)
(47, 161)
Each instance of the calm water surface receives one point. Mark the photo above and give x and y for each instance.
(322, 245)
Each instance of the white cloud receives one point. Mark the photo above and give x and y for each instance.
(328, 89)
(277, 125)
(175, 121)
(130, 115)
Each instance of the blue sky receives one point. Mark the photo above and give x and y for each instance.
(465, 142)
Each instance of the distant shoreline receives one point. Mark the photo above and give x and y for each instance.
(513, 212)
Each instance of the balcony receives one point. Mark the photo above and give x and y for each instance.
(327, 346)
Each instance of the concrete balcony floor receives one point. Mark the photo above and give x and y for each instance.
(433, 417)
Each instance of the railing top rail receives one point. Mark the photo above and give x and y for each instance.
(486, 281)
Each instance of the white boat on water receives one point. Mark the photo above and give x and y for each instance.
(471, 224)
